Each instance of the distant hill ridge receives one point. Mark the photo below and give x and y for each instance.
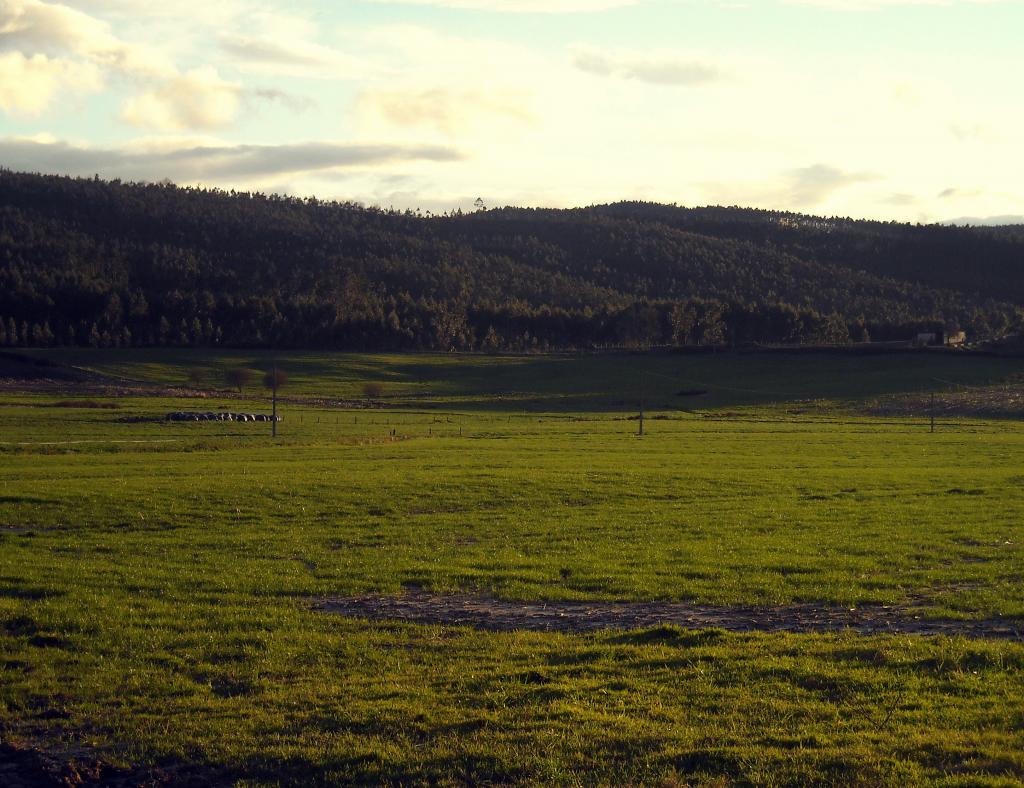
(90, 262)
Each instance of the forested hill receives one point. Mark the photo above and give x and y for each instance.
(90, 262)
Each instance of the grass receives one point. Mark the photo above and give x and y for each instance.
(566, 383)
(155, 596)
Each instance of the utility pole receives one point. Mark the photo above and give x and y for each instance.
(641, 432)
(933, 411)
(273, 418)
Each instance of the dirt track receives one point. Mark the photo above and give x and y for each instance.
(500, 615)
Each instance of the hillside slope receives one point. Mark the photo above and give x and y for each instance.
(88, 262)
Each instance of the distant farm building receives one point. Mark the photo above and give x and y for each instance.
(928, 338)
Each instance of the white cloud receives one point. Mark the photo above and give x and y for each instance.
(279, 56)
(444, 110)
(809, 186)
(958, 193)
(482, 91)
(988, 221)
(875, 5)
(29, 84)
(210, 162)
(592, 6)
(800, 189)
(522, 6)
(285, 44)
(198, 99)
(658, 68)
(37, 27)
(67, 47)
(197, 10)
(51, 47)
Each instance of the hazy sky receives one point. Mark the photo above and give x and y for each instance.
(893, 109)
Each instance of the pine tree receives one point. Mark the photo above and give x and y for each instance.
(492, 342)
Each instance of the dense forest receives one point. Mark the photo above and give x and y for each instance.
(95, 263)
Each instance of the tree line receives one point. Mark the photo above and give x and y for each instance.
(85, 262)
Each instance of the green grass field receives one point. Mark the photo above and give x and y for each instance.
(157, 579)
(567, 383)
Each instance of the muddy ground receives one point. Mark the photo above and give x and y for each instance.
(500, 615)
(1004, 401)
(24, 766)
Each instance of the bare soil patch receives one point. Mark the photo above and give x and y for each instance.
(31, 767)
(97, 386)
(1005, 401)
(421, 607)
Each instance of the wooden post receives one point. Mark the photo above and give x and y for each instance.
(933, 411)
(273, 418)
(641, 432)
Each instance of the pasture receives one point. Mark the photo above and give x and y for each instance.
(160, 583)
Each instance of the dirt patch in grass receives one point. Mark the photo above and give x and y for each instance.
(98, 386)
(998, 402)
(31, 767)
(84, 404)
(501, 615)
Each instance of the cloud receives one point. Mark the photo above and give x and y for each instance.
(522, 6)
(808, 186)
(901, 199)
(209, 163)
(486, 92)
(290, 55)
(592, 6)
(29, 84)
(445, 110)
(201, 100)
(988, 221)
(290, 100)
(50, 47)
(803, 188)
(198, 99)
(874, 5)
(657, 69)
(959, 193)
(971, 132)
(37, 27)
(269, 52)
(70, 48)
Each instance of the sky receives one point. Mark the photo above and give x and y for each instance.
(907, 110)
